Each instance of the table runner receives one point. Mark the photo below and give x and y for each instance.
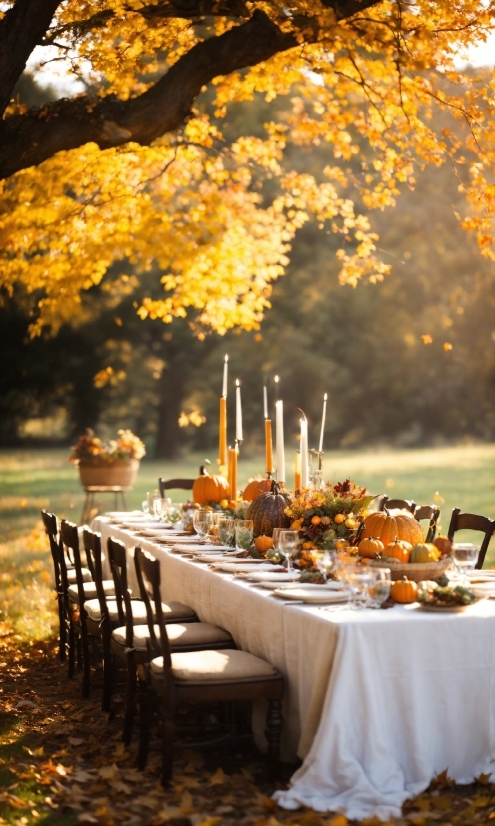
(377, 702)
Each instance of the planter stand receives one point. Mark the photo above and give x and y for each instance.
(92, 490)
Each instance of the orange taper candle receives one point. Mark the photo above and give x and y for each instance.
(297, 471)
(268, 446)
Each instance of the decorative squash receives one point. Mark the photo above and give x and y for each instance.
(385, 527)
(424, 552)
(403, 590)
(263, 544)
(256, 487)
(268, 511)
(370, 547)
(444, 545)
(399, 549)
(208, 488)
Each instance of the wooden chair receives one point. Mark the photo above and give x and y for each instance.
(198, 677)
(402, 504)
(472, 522)
(76, 597)
(432, 513)
(51, 526)
(129, 641)
(177, 484)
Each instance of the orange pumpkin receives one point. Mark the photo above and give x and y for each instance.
(399, 549)
(208, 488)
(255, 488)
(385, 527)
(444, 545)
(403, 590)
(370, 547)
(263, 543)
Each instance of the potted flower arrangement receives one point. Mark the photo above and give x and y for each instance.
(108, 464)
(323, 517)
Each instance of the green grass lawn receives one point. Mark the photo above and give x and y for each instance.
(462, 476)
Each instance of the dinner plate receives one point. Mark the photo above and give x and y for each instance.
(312, 597)
(283, 576)
(194, 549)
(447, 609)
(233, 567)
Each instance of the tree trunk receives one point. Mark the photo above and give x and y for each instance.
(171, 389)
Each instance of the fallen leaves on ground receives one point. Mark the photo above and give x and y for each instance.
(62, 760)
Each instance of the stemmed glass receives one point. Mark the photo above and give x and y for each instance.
(326, 562)
(360, 580)
(161, 508)
(145, 507)
(244, 532)
(226, 530)
(465, 557)
(202, 522)
(288, 542)
(379, 590)
(152, 497)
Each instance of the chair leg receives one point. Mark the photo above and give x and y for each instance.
(62, 630)
(107, 672)
(167, 747)
(145, 701)
(85, 660)
(130, 700)
(78, 650)
(273, 732)
(72, 645)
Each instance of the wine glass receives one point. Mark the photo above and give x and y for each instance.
(288, 542)
(161, 508)
(151, 497)
(326, 562)
(379, 589)
(244, 532)
(145, 507)
(360, 580)
(465, 556)
(202, 522)
(226, 530)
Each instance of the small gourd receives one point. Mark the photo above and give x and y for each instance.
(404, 591)
(370, 547)
(424, 552)
(444, 545)
(263, 543)
(255, 488)
(399, 549)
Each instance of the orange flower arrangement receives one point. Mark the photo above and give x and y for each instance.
(90, 449)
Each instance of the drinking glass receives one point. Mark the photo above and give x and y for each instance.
(151, 497)
(288, 542)
(360, 580)
(173, 514)
(326, 562)
(202, 521)
(465, 556)
(379, 590)
(145, 507)
(161, 508)
(226, 530)
(243, 534)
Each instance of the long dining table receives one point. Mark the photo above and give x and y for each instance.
(377, 702)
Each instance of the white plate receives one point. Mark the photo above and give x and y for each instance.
(283, 576)
(194, 549)
(233, 567)
(310, 597)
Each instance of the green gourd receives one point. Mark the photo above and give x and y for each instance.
(424, 553)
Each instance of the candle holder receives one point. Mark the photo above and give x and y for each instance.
(317, 475)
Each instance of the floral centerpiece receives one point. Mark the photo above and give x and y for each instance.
(325, 516)
(113, 463)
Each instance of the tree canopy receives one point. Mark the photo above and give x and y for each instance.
(137, 167)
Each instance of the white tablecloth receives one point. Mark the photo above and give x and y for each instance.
(377, 702)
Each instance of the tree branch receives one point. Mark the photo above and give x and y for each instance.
(29, 139)
(21, 29)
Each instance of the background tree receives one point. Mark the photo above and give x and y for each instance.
(136, 169)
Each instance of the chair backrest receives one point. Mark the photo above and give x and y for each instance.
(70, 539)
(177, 484)
(148, 577)
(432, 513)
(50, 524)
(402, 504)
(117, 555)
(472, 522)
(92, 544)
(88, 535)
